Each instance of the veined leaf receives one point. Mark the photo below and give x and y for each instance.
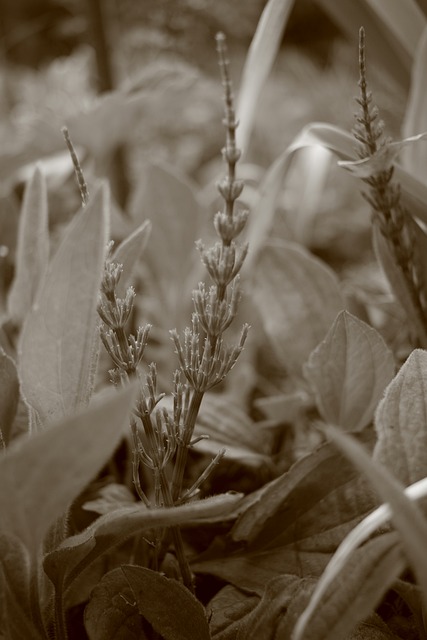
(15, 574)
(259, 61)
(32, 252)
(367, 576)
(77, 552)
(400, 422)
(9, 397)
(167, 605)
(414, 156)
(112, 610)
(406, 516)
(349, 371)
(128, 253)
(59, 341)
(298, 298)
(41, 475)
(292, 525)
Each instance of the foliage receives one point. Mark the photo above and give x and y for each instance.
(199, 499)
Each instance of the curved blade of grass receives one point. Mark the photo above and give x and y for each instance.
(362, 532)
(60, 335)
(259, 61)
(41, 475)
(32, 251)
(407, 518)
(414, 156)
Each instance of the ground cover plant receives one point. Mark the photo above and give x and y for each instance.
(248, 460)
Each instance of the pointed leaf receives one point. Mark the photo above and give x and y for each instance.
(60, 335)
(292, 525)
(349, 371)
(298, 298)
(112, 611)
(415, 121)
(32, 252)
(41, 475)
(15, 573)
(129, 252)
(171, 203)
(259, 61)
(167, 605)
(355, 593)
(407, 518)
(9, 397)
(400, 421)
(77, 552)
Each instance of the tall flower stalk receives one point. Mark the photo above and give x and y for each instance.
(162, 439)
(376, 168)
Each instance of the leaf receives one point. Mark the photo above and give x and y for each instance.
(167, 605)
(415, 120)
(292, 525)
(400, 422)
(342, 144)
(298, 298)
(41, 475)
(356, 592)
(227, 609)
(171, 202)
(15, 571)
(60, 335)
(112, 612)
(32, 252)
(129, 252)
(9, 397)
(76, 553)
(406, 517)
(270, 618)
(259, 61)
(349, 371)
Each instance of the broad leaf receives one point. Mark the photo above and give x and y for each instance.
(15, 570)
(128, 253)
(259, 61)
(356, 592)
(298, 298)
(407, 518)
(349, 371)
(32, 251)
(227, 609)
(41, 475)
(171, 203)
(76, 553)
(400, 422)
(415, 121)
(9, 397)
(292, 525)
(167, 605)
(112, 611)
(60, 335)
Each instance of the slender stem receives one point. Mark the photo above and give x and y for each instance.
(183, 444)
